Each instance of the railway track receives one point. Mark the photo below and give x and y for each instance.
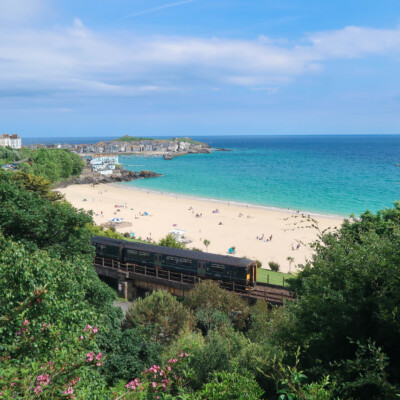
(272, 294)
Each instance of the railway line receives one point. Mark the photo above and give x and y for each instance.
(152, 278)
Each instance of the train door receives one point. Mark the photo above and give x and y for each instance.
(158, 260)
(201, 268)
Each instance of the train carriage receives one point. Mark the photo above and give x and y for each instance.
(204, 265)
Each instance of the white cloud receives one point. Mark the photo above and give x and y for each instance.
(82, 62)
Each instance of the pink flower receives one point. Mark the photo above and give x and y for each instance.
(98, 357)
(38, 389)
(70, 390)
(95, 329)
(133, 384)
(90, 356)
(153, 384)
(81, 338)
(98, 364)
(19, 333)
(88, 327)
(13, 383)
(26, 322)
(44, 325)
(168, 368)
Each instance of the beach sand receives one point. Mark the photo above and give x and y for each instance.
(234, 225)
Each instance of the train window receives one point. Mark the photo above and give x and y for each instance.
(143, 253)
(186, 262)
(131, 252)
(218, 267)
(101, 246)
(172, 259)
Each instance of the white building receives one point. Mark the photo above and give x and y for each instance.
(106, 163)
(10, 140)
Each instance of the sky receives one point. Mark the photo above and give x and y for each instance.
(199, 67)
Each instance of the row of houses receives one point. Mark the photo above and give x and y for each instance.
(112, 147)
(138, 147)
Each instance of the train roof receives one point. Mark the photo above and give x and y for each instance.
(198, 255)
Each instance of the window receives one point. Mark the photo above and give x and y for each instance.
(218, 267)
(143, 253)
(101, 247)
(131, 252)
(171, 259)
(186, 262)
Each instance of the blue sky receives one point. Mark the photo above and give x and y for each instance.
(199, 67)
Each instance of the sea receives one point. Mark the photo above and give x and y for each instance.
(335, 175)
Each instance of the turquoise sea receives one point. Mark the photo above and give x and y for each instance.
(336, 175)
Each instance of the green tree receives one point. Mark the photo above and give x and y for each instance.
(347, 294)
(208, 300)
(34, 220)
(170, 241)
(161, 310)
(56, 164)
(36, 184)
(206, 243)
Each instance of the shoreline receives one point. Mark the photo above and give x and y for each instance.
(257, 232)
(232, 202)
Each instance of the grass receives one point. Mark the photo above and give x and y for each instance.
(274, 278)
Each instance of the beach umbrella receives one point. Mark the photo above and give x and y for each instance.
(116, 220)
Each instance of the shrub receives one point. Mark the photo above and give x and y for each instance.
(274, 266)
(163, 311)
(258, 263)
(230, 386)
(208, 295)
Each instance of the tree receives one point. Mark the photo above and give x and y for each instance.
(56, 164)
(161, 310)
(348, 296)
(34, 220)
(36, 184)
(170, 241)
(206, 243)
(208, 300)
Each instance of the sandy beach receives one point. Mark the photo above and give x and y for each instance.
(256, 232)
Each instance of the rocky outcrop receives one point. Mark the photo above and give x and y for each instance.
(118, 176)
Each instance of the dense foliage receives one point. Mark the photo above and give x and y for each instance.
(55, 164)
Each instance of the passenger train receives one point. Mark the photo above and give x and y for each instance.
(230, 269)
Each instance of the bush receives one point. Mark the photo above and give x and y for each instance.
(230, 386)
(258, 263)
(274, 266)
(209, 296)
(163, 311)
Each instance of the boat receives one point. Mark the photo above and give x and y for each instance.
(167, 156)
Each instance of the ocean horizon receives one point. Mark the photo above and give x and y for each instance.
(330, 175)
(319, 174)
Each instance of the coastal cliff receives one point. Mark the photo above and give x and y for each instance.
(119, 176)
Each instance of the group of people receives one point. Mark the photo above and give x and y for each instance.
(268, 239)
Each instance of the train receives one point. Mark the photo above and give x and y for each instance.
(240, 271)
